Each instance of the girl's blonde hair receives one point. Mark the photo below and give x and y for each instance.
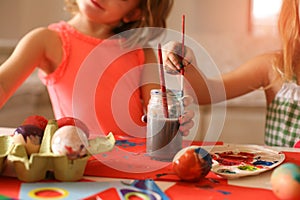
(154, 14)
(288, 26)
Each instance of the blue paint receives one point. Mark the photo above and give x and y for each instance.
(127, 143)
(225, 171)
(104, 155)
(224, 192)
(211, 188)
(263, 162)
(202, 153)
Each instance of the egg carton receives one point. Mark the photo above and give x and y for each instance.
(34, 167)
(6, 143)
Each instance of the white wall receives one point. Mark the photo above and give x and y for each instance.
(210, 16)
(17, 17)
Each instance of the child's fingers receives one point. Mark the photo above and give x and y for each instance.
(188, 57)
(187, 116)
(186, 127)
(186, 122)
(172, 63)
(187, 100)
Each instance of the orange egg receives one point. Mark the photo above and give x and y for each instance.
(285, 181)
(192, 164)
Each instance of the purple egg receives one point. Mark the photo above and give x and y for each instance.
(30, 136)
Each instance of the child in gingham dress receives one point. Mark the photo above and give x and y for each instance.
(275, 72)
(283, 116)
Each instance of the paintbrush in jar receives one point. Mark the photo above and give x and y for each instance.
(163, 83)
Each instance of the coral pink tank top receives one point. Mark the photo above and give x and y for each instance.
(97, 82)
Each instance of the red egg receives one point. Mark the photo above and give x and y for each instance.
(192, 164)
(71, 121)
(36, 120)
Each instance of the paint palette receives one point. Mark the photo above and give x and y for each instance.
(234, 161)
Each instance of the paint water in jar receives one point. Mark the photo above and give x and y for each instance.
(164, 139)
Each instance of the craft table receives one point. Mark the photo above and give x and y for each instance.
(128, 173)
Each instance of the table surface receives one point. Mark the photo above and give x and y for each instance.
(129, 176)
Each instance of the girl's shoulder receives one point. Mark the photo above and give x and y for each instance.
(39, 36)
(51, 44)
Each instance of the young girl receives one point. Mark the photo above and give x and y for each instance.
(60, 50)
(277, 72)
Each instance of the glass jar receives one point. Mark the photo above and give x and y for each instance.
(164, 139)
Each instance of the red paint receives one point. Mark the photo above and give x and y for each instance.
(36, 120)
(66, 121)
(230, 158)
(49, 193)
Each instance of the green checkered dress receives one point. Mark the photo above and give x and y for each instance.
(283, 117)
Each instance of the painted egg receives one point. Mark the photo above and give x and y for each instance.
(192, 164)
(70, 141)
(30, 136)
(37, 120)
(285, 181)
(71, 121)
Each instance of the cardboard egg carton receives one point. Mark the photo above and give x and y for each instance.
(6, 143)
(35, 167)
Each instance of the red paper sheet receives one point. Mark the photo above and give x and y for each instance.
(212, 187)
(129, 160)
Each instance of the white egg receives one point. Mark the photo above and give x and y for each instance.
(70, 141)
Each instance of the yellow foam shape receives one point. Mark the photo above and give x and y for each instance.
(101, 144)
(48, 134)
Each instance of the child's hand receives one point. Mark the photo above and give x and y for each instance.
(186, 120)
(172, 59)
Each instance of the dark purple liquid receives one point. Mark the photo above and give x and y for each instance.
(164, 139)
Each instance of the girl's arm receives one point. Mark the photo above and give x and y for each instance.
(34, 49)
(244, 79)
(252, 75)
